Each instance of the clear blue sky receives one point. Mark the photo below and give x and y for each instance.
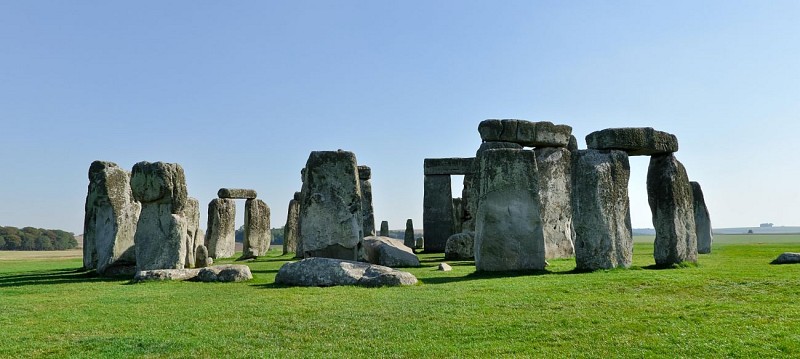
(240, 92)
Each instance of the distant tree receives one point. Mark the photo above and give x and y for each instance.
(43, 243)
(30, 238)
(13, 242)
(2, 242)
(28, 243)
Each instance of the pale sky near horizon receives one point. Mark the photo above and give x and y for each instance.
(239, 93)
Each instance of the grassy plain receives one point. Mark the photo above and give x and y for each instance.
(733, 304)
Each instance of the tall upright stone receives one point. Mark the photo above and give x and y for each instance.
(437, 214)
(192, 214)
(470, 192)
(508, 227)
(601, 210)
(670, 196)
(292, 227)
(221, 229)
(702, 220)
(110, 220)
(384, 229)
(408, 237)
(364, 176)
(458, 215)
(555, 193)
(161, 231)
(257, 234)
(331, 222)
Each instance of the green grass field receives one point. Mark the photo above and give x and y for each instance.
(733, 304)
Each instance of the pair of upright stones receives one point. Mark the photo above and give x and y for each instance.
(221, 235)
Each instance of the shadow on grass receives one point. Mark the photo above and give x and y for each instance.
(485, 275)
(56, 276)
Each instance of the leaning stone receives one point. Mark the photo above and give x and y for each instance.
(636, 141)
(292, 227)
(110, 219)
(670, 196)
(389, 252)
(601, 210)
(702, 220)
(460, 246)
(225, 273)
(408, 236)
(508, 229)
(787, 258)
(201, 259)
(237, 193)
(160, 239)
(384, 229)
(192, 214)
(444, 267)
(555, 194)
(257, 233)
(221, 229)
(326, 272)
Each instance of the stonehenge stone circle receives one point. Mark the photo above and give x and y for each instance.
(525, 133)
(508, 228)
(670, 196)
(460, 246)
(257, 233)
(326, 272)
(702, 220)
(408, 236)
(236, 193)
(292, 227)
(221, 229)
(364, 176)
(601, 210)
(389, 252)
(331, 222)
(192, 214)
(161, 230)
(636, 141)
(110, 219)
(384, 229)
(555, 193)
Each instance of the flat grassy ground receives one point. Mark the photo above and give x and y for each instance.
(734, 304)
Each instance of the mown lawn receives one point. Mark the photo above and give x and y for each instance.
(734, 304)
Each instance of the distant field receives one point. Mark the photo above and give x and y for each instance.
(733, 304)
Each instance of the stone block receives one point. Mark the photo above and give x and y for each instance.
(237, 193)
(636, 141)
(670, 196)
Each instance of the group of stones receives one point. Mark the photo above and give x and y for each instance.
(144, 223)
(520, 206)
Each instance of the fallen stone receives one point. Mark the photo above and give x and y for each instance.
(460, 247)
(221, 229)
(702, 220)
(166, 274)
(787, 258)
(221, 273)
(636, 141)
(670, 196)
(555, 193)
(237, 193)
(389, 252)
(525, 133)
(444, 267)
(326, 272)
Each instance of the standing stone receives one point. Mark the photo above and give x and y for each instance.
(458, 210)
(221, 229)
(110, 219)
(437, 213)
(508, 229)
(384, 229)
(555, 193)
(331, 222)
(670, 197)
(408, 237)
(257, 233)
(419, 243)
(201, 257)
(364, 176)
(192, 214)
(601, 210)
(469, 194)
(290, 230)
(702, 220)
(160, 238)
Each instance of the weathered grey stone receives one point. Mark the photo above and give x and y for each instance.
(221, 229)
(364, 173)
(110, 219)
(237, 193)
(192, 214)
(526, 133)
(367, 212)
(460, 246)
(166, 274)
(670, 196)
(787, 258)
(458, 215)
(201, 258)
(331, 222)
(601, 210)
(437, 212)
(572, 146)
(384, 229)
(160, 239)
(292, 227)
(508, 229)
(389, 252)
(449, 166)
(555, 194)
(408, 236)
(221, 273)
(444, 267)
(419, 243)
(636, 141)
(469, 194)
(702, 220)
(494, 145)
(326, 272)
(257, 233)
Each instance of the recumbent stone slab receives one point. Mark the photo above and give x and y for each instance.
(636, 141)
(326, 272)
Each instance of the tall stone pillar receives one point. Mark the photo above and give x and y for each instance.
(437, 212)
(670, 196)
(702, 220)
(221, 230)
(290, 230)
(364, 176)
(384, 229)
(192, 214)
(257, 234)
(555, 192)
(408, 237)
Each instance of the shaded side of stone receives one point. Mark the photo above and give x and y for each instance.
(702, 220)
(460, 246)
(290, 230)
(437, 212)
(671, 202)
(384, 229)
(458, 215)
(368, 215)
(408, 236)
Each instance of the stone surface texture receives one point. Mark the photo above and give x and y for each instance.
(444, 267)
(331, 222)
(201, 258)
(292, 227)
(460, 246)
(525, 133)
(221, 273)
(389, 252)
(670, 196)
(702, 220)
(110, 219)
(555, 193)
(160, 239)
(636, 141)
(192, 239)
(437, 212)
(237, 193)
(508, 228)
(221, 229)
(257, 233)
(326, 272)
(449, 166)
(458, 215)
(601, 210)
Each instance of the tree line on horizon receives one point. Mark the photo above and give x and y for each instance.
(35, 239)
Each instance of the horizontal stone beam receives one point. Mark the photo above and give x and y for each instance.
(449, 166)
(236, 193)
